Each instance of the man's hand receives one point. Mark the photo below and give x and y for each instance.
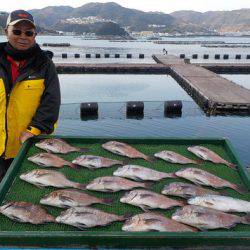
(25, 136)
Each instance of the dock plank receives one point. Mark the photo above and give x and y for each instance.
(207, 88)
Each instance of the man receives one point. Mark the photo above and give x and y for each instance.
(29, 88)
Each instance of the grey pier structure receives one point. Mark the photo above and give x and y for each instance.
(212, 92)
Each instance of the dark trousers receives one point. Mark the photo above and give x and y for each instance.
(4, 165)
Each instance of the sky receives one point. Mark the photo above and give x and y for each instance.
(166, 6)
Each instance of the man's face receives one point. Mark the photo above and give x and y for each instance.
(21, 41)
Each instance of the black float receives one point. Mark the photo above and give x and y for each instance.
(195, 56)
(135, 110)
(217, 56)
(226, 57)
(89, 110)
(173, 108)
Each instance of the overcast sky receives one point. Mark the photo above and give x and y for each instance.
(166, 6)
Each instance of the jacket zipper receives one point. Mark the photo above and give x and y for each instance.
(6, 124)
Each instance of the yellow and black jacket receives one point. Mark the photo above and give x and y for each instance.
(33, 100)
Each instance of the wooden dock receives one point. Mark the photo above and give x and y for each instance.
(212, 92)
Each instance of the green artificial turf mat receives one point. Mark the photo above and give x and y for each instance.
(23, 191)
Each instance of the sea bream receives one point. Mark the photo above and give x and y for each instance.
(222, 203)
(208, 155)
(207, 218)
(26, 212)
(185, 190)
(66, 198)
(46, 178)
(140, 173)
(84, 217)
(155, 222)
(173, 157)
(50, 160)
(95, 162)
(114, 184)
(146, 199)
(59, 146)
(124, 149)
(202, 177)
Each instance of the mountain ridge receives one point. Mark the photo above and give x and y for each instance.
(92, 16)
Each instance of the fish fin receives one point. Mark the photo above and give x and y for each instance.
(150, 221)
(39, 186)
(246, 219)
(65, 198)
(231, 165)
(127, 216)
(145, 208)
(108, 201)
(80, 186)
(136, 178)
(108, 190)
(153, 230)
(74, 166)
(199, 161)
(145, 196)
(148, 185)
(15, 218)
(83, 150)
(202, 229)
(208, 203)
(81, 226)
(239, 189)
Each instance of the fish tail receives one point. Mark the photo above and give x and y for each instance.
(50, 218)
(199, 161)
(246, 219)
(231, 165)
(80, 186)
(108, 201)
(74, 166)
(83, 150)
(239, 189)
(182, 203)
(126, 161)
(148, 185)
(126, 216)
(171, 175)
(149, 158)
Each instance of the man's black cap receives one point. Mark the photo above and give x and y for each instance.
(19, 15)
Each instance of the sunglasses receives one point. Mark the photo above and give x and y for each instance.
(28, 33)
